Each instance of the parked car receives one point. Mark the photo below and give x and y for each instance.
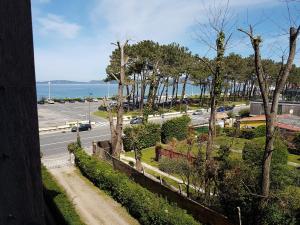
(81, 100)
(61, 101)
(95, 100)
(221, 109)
(82, 127)
(71, 101)
(50, 101)
(228, 108)
(42, 102)
(198, 112)
(137, 120)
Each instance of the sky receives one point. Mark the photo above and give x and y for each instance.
(72, 38)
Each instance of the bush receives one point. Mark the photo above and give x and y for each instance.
(142, 204)
(260, 131)
(253, 155)
(58, 202)
(146, 134)
(230, 131)
(247, 133)
(175, 128)
(296, 142)
(244, 112)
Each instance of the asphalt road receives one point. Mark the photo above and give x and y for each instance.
(54, 145)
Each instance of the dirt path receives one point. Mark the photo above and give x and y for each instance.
(94, 206)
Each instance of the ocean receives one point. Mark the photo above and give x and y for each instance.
(95, 90)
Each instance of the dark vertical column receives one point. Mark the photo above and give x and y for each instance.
(21, 199)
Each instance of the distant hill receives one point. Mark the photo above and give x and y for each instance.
(71, 82)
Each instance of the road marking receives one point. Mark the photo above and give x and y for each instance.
(61, 142)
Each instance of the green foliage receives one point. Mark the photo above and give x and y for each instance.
(58, 200)
(260, 131)
(253, 155)
(142, 204)
(141, 136)
(244, 113)
(230, 131)
(296, 142)
(247, 133)
(175, 128)
(231, 114)
(72, 147)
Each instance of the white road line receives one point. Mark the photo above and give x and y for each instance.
(61, 142)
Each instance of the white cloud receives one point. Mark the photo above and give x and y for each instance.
(56, 24)
(167, 20)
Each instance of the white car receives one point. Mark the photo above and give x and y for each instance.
(50, 101)
(198, 112)
(95, 100)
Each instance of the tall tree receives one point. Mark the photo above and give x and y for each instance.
(270, 103)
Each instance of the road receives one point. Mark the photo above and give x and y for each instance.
(54, 145)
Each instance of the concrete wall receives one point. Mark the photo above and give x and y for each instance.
(199, 212)
(256, 108)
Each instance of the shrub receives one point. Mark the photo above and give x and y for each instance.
(244, 112)
(230, 131)
(58, 201)
(296, 142)
(247, 133)
(142, 204)
(146, 134)
(175, 128)
(260, 131)
(253, 154)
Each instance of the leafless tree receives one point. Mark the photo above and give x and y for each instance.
(270, 101)
(219, 28)
(116, 132)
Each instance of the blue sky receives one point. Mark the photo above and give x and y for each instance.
(72, 38)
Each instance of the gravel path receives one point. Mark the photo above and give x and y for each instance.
(93, 205)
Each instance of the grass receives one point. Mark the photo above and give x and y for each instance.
(148, 155)
(294, 158)
(58, 201)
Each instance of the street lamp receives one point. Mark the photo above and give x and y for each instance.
(90, 107)
(49, 96)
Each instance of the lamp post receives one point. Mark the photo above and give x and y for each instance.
(90, 107)
(49, 96)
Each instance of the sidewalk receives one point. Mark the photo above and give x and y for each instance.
(93, 205)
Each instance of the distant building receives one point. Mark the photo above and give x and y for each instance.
(288, 124)
(289, 104)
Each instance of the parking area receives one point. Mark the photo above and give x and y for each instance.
(58, 114)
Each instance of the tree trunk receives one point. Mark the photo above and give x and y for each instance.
(21, 192)
(120, 110)
(214, 95)
(183, 90)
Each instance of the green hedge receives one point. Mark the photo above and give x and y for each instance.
(175, 128)
(146, 207)
(146, 135)
(253, 155)
(58, 202)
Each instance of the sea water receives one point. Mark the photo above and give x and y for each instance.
(94, 90)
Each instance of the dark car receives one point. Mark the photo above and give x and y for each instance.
(42, 102)
(71, 101)
(228, 108)
(81, 100)
(82, 127)
(221, 109)
(136, 120)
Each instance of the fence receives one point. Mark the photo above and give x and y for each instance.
(173, 155)
(200, 212)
